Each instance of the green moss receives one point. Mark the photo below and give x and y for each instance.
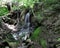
(35, 36)
(58, 39)
(3, 11)
(13, 44)
(36, 33)
(42, 42)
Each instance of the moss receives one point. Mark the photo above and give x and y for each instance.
(36, 33)
(13, 44)
(35, 36)
(58, 39)
(3, 11)
(42, 42)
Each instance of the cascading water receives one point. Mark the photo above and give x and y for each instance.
(25, 30)
(27, 20)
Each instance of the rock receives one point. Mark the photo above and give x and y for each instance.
(29, 40)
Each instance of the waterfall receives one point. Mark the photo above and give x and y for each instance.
(27, 19)
(27, 22)
(25, 30)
